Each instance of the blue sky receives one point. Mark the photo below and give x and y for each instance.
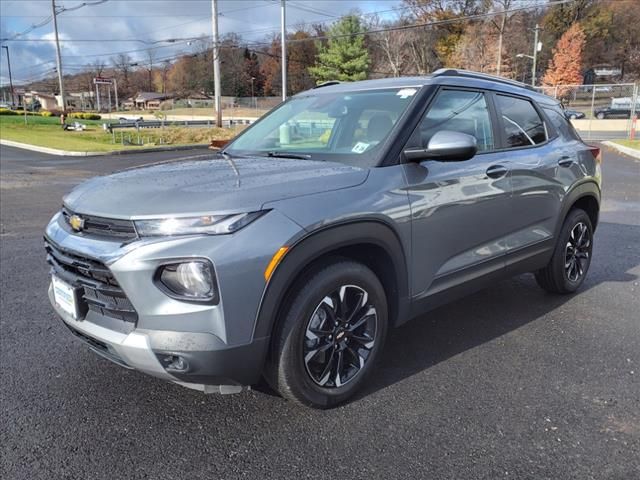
(133, 25)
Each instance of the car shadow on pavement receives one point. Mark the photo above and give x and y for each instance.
(488, 314)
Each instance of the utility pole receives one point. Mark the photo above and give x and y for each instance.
(535, 55)
(283, 44)
(58, 59)
(216, 63)
(10, 79)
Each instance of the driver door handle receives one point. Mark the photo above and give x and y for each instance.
(496, 171)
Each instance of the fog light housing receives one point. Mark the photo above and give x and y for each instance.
(174, 363)
(192, 281)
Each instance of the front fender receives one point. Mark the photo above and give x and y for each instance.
(323, 242)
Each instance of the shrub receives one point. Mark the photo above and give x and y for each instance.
(6, 111)
(85, 116)
(46, 113)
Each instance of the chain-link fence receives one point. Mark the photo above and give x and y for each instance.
(600, 111)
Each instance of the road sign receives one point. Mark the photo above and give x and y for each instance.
(103, 81)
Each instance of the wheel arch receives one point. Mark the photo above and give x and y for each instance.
(371, 242)
(585, 196)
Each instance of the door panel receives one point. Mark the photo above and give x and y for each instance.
(457, 214)
(541, 171)
(457, 208)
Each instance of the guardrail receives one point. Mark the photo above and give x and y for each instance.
(226, 123)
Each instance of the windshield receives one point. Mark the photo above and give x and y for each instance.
(346, 127)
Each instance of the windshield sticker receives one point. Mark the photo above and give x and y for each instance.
(360, 147)
(406, 92)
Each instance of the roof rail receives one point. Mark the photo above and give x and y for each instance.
(328, 83)
(452, 72)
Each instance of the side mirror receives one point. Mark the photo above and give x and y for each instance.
(445, 146)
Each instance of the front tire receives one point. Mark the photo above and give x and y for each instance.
(601, 116)
(331, 336)
(571, 258)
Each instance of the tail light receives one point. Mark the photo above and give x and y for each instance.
(595, 151)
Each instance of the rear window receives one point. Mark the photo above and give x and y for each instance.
(562, 123)
(521, 122)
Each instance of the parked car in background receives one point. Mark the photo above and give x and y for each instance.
(619, 108)
(130, 119)
(573, 114)
(349, 209)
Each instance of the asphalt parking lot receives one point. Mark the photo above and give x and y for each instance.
(509, 383)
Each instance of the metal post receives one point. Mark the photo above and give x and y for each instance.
(283, 45)
(109, 90)
(593, 102)
(115, 87)
(97, 98)
(634, 111)
(253, 96)
(58, 59)
(535, 56)
(13, 104)
(216, 63)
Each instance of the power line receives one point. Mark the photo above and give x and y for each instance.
(175, 42)
(48, 19)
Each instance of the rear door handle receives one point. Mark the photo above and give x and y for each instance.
(565, 161)
(496, 171)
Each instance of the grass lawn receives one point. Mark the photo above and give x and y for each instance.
(635, 144)
(47, 132)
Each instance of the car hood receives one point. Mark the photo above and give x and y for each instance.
(210, 185)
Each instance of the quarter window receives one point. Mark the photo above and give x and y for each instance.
(521, 122)
(460, 111)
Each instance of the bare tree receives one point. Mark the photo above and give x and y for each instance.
(123, 65)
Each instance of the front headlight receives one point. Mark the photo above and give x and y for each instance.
(206, 224)
(190, 281)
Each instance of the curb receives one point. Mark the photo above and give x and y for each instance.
(632, 152)
(67, 153)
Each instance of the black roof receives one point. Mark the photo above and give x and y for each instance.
(453, 77)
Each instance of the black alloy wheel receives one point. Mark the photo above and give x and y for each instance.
(340, 336)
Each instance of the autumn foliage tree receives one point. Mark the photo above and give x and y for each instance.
(565, 68)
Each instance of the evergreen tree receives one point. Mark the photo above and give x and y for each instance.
(344, 56)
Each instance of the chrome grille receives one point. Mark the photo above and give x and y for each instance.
(101, 291)
(103, 227)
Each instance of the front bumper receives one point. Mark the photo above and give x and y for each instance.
(215, 342)
(211, 368)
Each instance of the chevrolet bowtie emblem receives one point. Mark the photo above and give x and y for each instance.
(76, 222)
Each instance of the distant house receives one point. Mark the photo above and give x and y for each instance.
(47, 101)
(195, 100)
(147, 101)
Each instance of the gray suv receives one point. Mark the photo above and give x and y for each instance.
(347, 210)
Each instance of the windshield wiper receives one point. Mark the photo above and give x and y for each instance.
(298, 156)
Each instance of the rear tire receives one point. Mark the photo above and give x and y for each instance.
(331, 336)
(571, 258)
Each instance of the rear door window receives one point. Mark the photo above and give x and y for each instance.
(521, 123)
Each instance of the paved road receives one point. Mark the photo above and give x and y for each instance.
(510, 383)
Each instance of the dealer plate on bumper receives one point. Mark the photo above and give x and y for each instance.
(65, 296)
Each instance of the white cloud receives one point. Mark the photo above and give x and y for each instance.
(111, 27)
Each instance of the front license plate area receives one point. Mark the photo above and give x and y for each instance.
(65, 296)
